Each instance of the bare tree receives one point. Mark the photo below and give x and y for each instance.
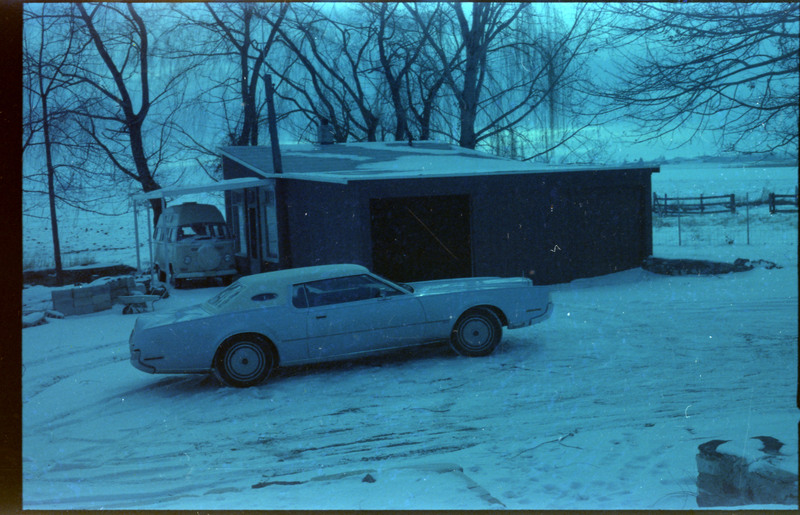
(333, 53)
(475, 37)
(399, 43)
(502, 68)
(731, 68)
(238, 36)
(117, 98)
(43, 84)
(537, 98)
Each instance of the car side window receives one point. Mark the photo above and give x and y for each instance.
(299, 299)
(340, 290)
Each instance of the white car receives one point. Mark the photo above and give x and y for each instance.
(331, 312)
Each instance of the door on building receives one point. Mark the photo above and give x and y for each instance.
(421, 238)
(254, 225)
(598, 230)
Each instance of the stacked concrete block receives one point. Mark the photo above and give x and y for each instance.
(96, 296)
(121, 286)
(760, 470)
(82, 300)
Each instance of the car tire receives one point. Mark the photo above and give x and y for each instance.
(243, 361)
(175, 282)
(476, 333)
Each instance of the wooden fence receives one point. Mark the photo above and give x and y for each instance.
(783, 200)
(665, 205)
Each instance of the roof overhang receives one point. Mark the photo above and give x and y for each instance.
(347, 177)
(346, 163)
(225, 185)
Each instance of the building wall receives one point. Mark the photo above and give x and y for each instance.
(327, 225)
(551, 227)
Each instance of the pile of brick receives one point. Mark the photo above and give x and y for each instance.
(97, 296)
(758, 470)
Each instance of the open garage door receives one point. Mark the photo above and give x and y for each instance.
(421, 238)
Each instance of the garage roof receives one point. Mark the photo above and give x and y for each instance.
(177, 191)
(347, 162)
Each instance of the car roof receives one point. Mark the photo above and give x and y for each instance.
(289, 276)
(277, 285)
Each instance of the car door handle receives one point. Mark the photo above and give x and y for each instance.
(321, 316)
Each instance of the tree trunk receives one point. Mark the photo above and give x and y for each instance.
(51, 190)
(51, 172)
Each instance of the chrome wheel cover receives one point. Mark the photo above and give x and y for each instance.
(245, 361)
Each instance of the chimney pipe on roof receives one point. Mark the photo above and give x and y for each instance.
(324, 132)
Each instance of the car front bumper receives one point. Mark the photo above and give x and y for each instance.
(136, 361)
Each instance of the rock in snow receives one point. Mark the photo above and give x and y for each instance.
(738, 473)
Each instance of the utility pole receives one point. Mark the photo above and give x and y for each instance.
(281, 207)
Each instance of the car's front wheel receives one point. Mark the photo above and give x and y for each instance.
(244, 361)
(476, 333)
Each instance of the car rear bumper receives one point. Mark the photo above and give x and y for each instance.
(207, 273)
(536, 315)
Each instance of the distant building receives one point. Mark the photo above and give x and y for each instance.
(433, 210)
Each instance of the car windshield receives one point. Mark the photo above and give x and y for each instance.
(203, 229)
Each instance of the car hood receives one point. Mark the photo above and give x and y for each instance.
(468, 284)
(171, 317)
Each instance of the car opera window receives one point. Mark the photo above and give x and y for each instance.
(345, 289)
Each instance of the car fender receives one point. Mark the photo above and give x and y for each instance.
(252, 322)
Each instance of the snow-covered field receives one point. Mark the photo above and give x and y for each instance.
(602, 406)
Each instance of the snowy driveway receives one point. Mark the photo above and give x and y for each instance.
(602, 406)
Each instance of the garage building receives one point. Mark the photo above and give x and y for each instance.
(433, 211)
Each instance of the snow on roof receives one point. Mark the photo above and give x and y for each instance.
(346, 162)
(227, 184)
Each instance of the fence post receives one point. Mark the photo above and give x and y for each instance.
(679, 225)
(747, 209)
(771, 203)
(701, 204)
(733, 202)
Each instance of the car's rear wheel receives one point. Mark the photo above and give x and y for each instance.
(244, 361)
(476, 333)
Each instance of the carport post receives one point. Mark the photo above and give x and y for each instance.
(136, 231)
(150, 238)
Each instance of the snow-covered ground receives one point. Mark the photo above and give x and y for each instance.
(602, 406)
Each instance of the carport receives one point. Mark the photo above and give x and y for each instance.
(178, 191)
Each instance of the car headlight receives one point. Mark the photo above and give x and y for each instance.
(187, 260)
